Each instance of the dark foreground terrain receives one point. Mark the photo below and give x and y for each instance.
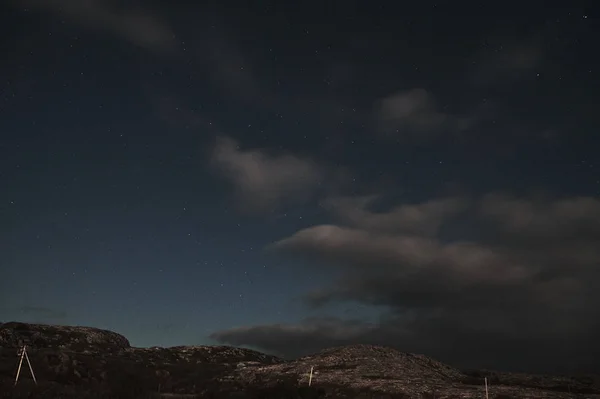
(81, 362)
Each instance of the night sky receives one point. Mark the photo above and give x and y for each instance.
(290, 176)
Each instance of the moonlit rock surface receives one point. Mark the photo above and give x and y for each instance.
(84, 362)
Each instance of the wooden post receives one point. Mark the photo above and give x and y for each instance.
(486, 389)
(25, 356)
(20, 364)
(310, 376)
(29, 364)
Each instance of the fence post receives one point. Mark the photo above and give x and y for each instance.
(486, 389)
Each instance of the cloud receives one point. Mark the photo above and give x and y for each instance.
(487, 301)
(262, 180)
(415, 112)
(234, 71)
(136, 25)
(509, 61)
(215, 52)
(569, 219)
(290, 340)
(423, 218)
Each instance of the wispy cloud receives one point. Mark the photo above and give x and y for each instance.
(507, 62)
(135, 24)
(234, 71)
(424, 218)
(524, 284)
(262, 180)
(415, 113)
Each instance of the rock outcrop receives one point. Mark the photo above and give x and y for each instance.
(68, 338)
(82, 362)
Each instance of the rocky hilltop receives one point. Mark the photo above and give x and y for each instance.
(68, 338)
(83, 362)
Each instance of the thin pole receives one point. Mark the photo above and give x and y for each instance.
(30, 368)
(486, 389)
(310, 376)
(20, 364)
(25, 356)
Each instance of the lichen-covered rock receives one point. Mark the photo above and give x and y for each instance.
(81, 362)
(67, 338)
(365, 370)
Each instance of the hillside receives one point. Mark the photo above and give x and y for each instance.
(83, 362)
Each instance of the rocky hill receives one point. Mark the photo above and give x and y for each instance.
(83, 362)
(74, 339)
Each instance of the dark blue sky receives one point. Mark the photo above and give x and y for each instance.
(289, 176)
